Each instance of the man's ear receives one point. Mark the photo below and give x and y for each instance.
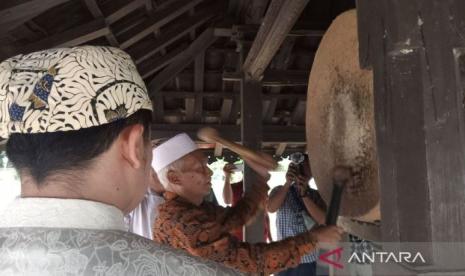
(133, 145)
(173, 177)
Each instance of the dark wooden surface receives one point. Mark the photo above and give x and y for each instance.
(415, 50)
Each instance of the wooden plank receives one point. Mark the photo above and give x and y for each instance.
(298, 115)
(279, 19)
(192, 94)
(237, 30)
(94, 9)
(226, 108)
(183, 60)
(154, 64)
(124, 10)
(271, 134)
(16, 12)
(251, 132)
(275, 78)
(419, 123)
(76, 36)
(199, 85)
(146, 49)
(281, 62)
(156, 20)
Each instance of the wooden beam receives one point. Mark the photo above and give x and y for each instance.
(271, 133)
(124, 10)
(279, 19)
(251, 132)
(231, 95)
(183, 60)
(275, 78)
(76, 36)
(298, 115)
(154, 64)
(280, 149)
(281, 62)
(96, 12)
(146, 49)
(148, 5)
(226, 108)
(93, 8)
(237, 30)
(199, 85)
(16, 12)
(156, 20)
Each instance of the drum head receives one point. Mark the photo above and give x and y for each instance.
(340, 120)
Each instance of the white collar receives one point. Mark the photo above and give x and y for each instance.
(62, 213)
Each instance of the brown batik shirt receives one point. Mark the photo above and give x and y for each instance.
(205, 231)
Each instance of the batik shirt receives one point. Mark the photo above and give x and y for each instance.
(205, 231)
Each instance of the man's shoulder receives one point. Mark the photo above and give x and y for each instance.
(127, 250)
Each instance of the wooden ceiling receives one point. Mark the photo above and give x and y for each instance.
(193, 54)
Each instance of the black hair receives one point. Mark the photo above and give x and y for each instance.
(42, 154)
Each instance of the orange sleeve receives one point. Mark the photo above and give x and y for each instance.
(207, 240)
(246, 208)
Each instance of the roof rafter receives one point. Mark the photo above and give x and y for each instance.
(16, 12)
(279, 20)
(156, 20)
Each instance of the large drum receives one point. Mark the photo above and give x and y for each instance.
(340, 120)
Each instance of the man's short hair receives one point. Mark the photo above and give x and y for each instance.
(43, 154)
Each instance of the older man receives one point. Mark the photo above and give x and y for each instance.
(77, 122)
(186, 221)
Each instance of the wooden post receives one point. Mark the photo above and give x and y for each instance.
(415, 49)
(251, 131)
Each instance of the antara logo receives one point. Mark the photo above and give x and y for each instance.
(387, 257)
(374, 257)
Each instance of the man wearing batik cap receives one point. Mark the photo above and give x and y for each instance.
(203, 229)
(77, 122)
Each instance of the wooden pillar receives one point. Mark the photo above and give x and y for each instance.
(416, 50)
(251, 131)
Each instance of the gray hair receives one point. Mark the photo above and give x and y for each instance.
(162, 174)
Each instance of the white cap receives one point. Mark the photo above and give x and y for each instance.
(172, 150)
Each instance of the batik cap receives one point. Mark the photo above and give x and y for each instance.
(68, 89)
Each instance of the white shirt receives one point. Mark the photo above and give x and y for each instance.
(140, 220)
(62, 213)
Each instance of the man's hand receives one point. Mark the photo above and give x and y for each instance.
(291, 174)
(228, 169)
(328, 236)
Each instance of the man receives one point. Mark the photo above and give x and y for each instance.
(187, 222)
(77, 122)
(140, 220)
(297, 204)
(232, 193)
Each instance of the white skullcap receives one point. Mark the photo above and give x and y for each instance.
(68, 89)
(172, 150)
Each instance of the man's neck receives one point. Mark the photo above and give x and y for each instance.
(191, 199)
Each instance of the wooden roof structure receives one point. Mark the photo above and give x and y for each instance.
(194, 55)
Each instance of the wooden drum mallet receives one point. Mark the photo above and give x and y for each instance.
(211, 135)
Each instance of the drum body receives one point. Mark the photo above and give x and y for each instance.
(340, 120)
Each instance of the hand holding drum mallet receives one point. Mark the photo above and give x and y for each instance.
(211, 135)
